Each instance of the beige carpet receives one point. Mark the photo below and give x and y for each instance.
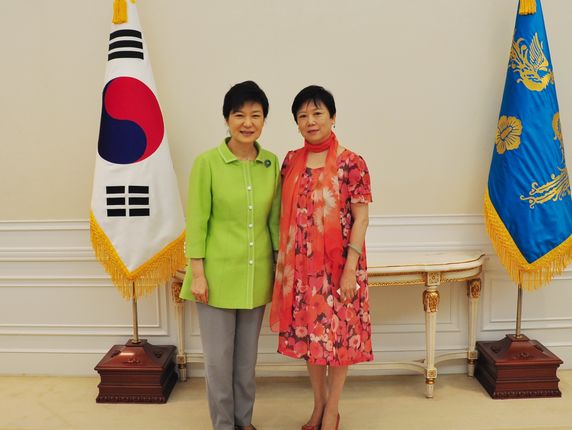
(389, 402)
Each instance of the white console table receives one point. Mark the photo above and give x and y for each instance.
(402, 269)
(431, 270)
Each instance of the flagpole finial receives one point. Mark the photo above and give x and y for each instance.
(120, 11)
(527, 7)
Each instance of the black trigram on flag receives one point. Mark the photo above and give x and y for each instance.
(132, 200)
(125, 44)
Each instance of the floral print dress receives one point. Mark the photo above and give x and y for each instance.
(325, 331)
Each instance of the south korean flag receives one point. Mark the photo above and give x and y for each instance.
(137, 222)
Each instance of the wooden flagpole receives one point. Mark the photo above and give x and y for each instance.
(135, 319)
(518, 333)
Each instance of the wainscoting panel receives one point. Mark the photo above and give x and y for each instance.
(60, 313)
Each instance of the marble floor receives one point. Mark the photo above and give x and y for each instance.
(385, 402)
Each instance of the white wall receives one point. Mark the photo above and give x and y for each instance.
(418, 86)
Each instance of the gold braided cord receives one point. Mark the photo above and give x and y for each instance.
(145, 278)
(527, 7)
(395, 283)
(530, 275)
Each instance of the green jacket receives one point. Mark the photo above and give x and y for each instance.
(233, 213)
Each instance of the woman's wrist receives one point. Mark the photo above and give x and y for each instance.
(197, 268)
(349, 270)
(354, 248)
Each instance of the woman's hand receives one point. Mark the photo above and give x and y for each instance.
(348, 285)
(200, 289)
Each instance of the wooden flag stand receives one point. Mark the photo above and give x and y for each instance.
(137, 372)
(516, 367)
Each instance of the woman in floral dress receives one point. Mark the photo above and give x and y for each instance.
(320, 301)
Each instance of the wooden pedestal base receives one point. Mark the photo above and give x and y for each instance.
(514, 368)
(137, 373)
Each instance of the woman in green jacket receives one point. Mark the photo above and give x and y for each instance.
(232, 235)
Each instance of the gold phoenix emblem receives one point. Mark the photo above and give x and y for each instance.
(556, 189)
(509, 130)
(558, 132)
(531, 64)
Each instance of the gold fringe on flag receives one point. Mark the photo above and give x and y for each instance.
(527, 7)
(120, 11)
(147, 277)
(529, 275)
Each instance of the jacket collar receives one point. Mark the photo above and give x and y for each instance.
(229, 157)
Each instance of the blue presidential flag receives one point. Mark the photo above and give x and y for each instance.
(528, 209)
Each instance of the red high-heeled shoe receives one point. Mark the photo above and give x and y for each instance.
(319, 426)
(313, 427)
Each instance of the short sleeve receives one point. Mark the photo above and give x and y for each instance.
(359, 183)
(286, 163)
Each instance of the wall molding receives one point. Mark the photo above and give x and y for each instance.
(490, 323)
(50, 257)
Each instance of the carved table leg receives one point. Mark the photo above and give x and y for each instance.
(474, 292)
(180, 309)
(430, 305)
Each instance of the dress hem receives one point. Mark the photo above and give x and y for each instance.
(323, 362)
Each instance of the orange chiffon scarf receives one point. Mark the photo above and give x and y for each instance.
(326, 218)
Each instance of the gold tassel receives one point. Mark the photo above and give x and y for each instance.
(530, 275)
(147, 277)
(120, 11)
(527, 7)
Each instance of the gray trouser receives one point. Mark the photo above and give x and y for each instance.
(230, 347)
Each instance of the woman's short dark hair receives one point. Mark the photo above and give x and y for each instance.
(239, 94)
(317, 95)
